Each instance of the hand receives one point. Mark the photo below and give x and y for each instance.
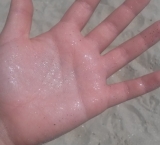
(54, 82)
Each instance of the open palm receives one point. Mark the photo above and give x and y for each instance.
(54, 82)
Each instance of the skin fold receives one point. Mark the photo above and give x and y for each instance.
(56, 81)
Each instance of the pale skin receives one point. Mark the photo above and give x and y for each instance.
(55, 82)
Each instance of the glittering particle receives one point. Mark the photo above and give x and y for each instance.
(13, 80)
(96, 86)
(18, 67)
(94, 100)
(88, 57)
(76, 106)
(73, 43)
(45, 63)
(11, 69)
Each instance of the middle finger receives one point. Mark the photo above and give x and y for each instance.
(104, 34)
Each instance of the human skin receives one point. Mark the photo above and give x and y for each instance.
(56, 81)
